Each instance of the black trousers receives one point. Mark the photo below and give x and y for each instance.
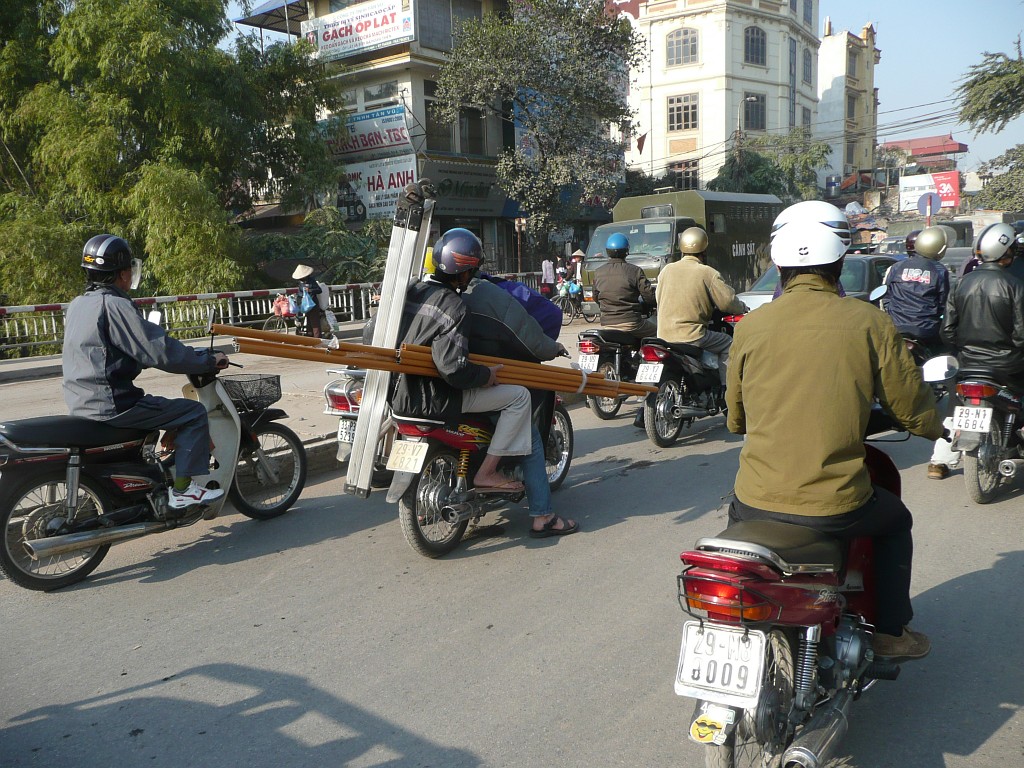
(887, 521)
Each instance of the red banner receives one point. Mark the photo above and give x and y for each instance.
(947, 184)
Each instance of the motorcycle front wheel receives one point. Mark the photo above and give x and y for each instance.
(558, 455)
(661, 426)
(762, 734)
(419, 509)
(606, 407)
(981, 467)
(33, 508)
(271, 474)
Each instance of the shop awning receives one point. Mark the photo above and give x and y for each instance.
(278, 16)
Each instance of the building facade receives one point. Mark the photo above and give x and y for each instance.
(847, 103)
(718, 70)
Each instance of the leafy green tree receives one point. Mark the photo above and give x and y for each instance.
(127, 117)
(991, 94)
(798, 155)
(752, 172)
(559, 69)
(1005, 190)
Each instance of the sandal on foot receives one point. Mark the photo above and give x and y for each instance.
(550, 530)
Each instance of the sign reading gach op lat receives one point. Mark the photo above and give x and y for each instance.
(365, 26)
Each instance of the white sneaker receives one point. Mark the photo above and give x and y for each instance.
(194, 494)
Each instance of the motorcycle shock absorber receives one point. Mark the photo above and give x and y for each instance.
(462, 467)
(807, 668)
(1008, 429)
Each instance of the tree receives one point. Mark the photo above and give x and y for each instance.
(127, 117)
(559, 69)
(752, 172)
(1005, 190)
(799, 156)
(991, 94)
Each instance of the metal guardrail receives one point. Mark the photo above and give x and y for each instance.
(38, 329)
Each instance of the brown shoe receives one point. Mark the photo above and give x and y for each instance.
(938, 471)
(910, 645)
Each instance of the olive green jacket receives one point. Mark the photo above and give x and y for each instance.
(688, 293)
(803, 374)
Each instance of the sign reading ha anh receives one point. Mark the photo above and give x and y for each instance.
(378, 183)
(377, 133)
(361, 27)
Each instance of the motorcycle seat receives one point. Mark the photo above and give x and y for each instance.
(67, 432)
(989, 375)
(613, 336)
(792, 548)
(681, 348)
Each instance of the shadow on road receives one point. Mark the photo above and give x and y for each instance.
(219, 714)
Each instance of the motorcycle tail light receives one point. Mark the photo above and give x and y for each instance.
(340, 401)
(720, 600)
(733, 319)
(976, 389)
(588, 347)
(652, 354)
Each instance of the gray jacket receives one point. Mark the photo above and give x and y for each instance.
(501, 327)
(107, 345)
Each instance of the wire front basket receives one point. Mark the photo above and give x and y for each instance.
(252, 391)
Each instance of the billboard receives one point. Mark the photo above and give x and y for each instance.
(377, 133)
(945, 184)
(372, 187)
(362, 27)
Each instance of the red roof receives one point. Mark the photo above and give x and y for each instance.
(931, 145)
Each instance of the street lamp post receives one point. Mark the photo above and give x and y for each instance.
(520, 226)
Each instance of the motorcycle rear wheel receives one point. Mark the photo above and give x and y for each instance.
(32, 508)
(269, 479)
(661, 427)
(559, 448)
(981, 468)
(762, 735)
(419, 509)
(606, 407)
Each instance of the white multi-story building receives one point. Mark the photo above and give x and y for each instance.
(847, 102)
(718, 70)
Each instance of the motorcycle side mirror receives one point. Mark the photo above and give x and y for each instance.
(940, 368)
(878, 293)
(155, 316)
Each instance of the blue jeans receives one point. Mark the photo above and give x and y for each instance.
(191, 444)
(535, 476)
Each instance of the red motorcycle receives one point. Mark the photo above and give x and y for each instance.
(780, 642)
(434, 463)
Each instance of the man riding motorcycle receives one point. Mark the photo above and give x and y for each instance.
(811, 364)
(688, 293)
(984, 319)
(917, 289)
(623, 292)
(107, 344)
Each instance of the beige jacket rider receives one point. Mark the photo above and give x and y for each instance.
(688, 292)
(805, 369)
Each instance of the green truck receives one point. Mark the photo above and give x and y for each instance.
(738, 226)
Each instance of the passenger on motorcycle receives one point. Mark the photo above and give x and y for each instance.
(984, 319)
(917, 289)
(689, 292)
(500, 326)
(435, 316)
(619, 289)
(811, 364)
(107, 344)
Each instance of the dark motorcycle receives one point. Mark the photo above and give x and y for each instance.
(989, 428)
(434, 463)
(615, 355)
(72, 487)
(780, 641)
(689, 388)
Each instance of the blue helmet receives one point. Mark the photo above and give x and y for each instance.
(458, 250)
(617, 246)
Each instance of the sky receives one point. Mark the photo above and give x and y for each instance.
(926, 46)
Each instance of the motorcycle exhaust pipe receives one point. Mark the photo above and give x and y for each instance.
(688, 413)
(73, 542)
(815, 746)
(453, 514)
(1010, 467)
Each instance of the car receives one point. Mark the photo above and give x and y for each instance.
(861, 275)
(892, 245)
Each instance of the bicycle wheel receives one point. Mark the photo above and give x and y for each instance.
(565, 305)
(276, 324)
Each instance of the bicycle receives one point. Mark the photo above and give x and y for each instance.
(284, 320)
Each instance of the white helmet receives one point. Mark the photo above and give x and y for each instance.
(816, 211)
(994, 242)
(806, 244)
